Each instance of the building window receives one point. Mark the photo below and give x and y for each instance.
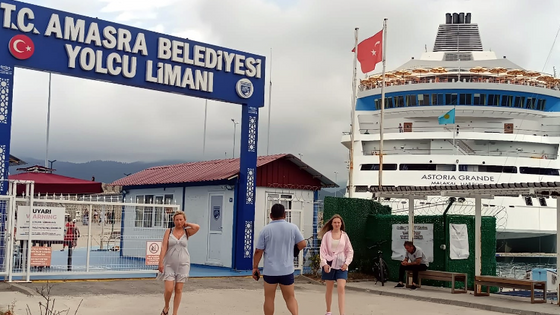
(149, 211)
(283, 199)
(168, 216)
(154, 216)
(139, 212)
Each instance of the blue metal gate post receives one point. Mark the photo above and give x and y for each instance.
(245, 217)
(6, 92)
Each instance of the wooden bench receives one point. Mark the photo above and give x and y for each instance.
(501, 282)
(439, 276)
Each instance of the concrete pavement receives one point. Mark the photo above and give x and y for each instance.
(213, 296)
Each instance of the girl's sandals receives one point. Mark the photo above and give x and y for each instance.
(163, 312)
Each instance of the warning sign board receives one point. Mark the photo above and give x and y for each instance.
(153, 249)
(41, 256)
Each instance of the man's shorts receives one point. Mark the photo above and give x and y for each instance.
(334, 274)
(282, 280)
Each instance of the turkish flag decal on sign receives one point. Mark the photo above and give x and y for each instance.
(21, 47)
(370, 52)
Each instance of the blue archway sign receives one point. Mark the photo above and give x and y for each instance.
(43, 39)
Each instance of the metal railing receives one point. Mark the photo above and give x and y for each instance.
(463, 77)
(439, 129)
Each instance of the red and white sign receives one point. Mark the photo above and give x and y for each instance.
(41, 256)
(153, 249)
(21, 47)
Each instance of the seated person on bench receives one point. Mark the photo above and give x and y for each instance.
(414, 260)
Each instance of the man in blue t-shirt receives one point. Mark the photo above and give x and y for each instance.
(277, 242)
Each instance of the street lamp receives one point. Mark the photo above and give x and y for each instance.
(234, 130)
(51, 163)
(335, 180)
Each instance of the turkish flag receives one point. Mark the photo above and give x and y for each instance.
(370, 52)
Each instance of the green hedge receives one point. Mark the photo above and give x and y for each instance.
(368, 222)
(354, 212)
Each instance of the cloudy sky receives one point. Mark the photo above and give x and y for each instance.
(311, 73)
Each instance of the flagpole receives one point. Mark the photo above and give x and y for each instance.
(269, 105)
(48, 122)
(455, 129)
(352, 128)
(204, 135)
(384, 41)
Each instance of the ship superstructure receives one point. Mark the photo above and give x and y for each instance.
(506, 126)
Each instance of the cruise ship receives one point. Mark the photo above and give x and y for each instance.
(506, 130)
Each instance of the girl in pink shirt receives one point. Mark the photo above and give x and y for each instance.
(336, 255)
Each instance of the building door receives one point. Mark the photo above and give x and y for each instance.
(216, 209)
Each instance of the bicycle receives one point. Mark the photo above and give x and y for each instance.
(380, 268)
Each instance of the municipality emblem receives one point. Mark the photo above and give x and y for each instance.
(244, 88)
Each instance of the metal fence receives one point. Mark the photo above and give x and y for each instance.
(313, 244)
(96, 236)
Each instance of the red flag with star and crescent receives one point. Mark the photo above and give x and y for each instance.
(370, 52)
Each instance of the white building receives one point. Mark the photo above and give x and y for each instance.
(206, 191)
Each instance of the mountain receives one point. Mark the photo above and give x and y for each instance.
(103, 171)
(110, 171)
(331, 192)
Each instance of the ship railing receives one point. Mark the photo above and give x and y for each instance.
(461, 129)
(465, 77)
(452, 151)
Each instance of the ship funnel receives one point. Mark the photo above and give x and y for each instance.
(448, 18)
(458, 34)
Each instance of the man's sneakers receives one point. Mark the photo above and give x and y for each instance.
(413, 287)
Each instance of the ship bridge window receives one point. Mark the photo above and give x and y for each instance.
(519, 102)
(451, 99)
(423, 99)
(427, 167)
(465, 99)
(488, 168)
(388, 103)
(411, 100)
(479, 99)
(437, 99)
(493, 99)
(540, 104)
(375, 167)
(399, 101)
(539, 171)
(507, 100)
(531, 102)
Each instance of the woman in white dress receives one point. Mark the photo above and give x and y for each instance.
(174, 259)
